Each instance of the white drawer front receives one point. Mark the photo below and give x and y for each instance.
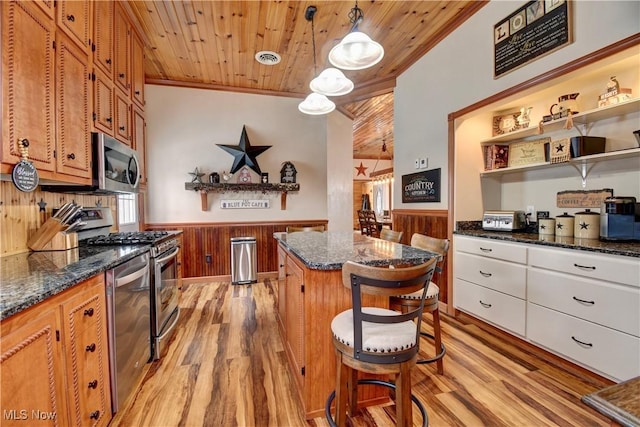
(612, 353)
(501, 276)
(606, 304)
(491, 248)
(502, 310)
(625, 270)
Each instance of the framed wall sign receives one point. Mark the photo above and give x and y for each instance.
(421, 187)
(537, 28)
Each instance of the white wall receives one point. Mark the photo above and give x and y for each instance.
(459, 72)
(339, 175)
(183, 128)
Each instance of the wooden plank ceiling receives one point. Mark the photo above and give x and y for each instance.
(212, 44)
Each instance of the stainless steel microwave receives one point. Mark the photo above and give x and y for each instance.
(115, 168)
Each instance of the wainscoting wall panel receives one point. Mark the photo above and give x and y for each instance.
(202, 239)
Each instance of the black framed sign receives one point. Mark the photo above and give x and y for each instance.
(421, 187)
(535, 29)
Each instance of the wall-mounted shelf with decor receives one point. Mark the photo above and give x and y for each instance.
(205, 188)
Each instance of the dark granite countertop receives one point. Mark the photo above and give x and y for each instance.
(330, 249)
(31, 277)
(620, 402)
(631, 249)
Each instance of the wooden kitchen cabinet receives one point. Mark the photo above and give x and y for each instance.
(294, 318)
(73, 101)
(122, 49)
(103, 103)
(47, 369)
(28, 84)
(123, 117)
(103, 36)
(281, 290)
(137, 69)
(73, 18)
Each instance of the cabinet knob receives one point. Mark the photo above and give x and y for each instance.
(137, 92)
(71, 156)
(121, 128)
(91, 347)
(281, 265)
(24, 142)
(88, 312)
(93, 384)
(108, 119)
(95, 415)
(121, 75)
(108, 61)
(71, 18)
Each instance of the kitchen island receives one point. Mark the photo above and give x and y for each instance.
(310, 293)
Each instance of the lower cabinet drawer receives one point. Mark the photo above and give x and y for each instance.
(497, 308)
(612, 353)
(501, 276)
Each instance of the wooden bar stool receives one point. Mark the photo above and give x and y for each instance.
(410, 301)
(391, 235)
(378, 340)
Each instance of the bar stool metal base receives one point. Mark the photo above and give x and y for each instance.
(414, 399)
(435, 358)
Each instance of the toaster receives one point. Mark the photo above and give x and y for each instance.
(503, 220)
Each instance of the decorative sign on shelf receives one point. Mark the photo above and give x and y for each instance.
(244, 204)
(528, 152)
(535, 29)
(582, 198)
(421, 187)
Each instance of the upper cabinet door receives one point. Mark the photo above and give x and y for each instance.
(73, 106)
(73, 19)
(103, 36)
(137, 68)
(122, 65)
(28, 106)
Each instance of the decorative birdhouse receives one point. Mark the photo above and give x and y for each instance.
(288, 173)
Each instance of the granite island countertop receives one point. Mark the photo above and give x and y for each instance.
(329, 250)
(31, 277)
(630, 249)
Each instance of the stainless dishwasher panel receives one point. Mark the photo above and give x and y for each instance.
(129, 308)
(244, 267)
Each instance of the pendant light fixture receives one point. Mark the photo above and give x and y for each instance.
(356, 51)
(315, 104)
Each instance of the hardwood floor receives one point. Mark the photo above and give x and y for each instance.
(226, 367)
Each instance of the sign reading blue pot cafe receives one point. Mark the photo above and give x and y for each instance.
(421, 187)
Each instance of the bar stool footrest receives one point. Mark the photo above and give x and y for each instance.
(388, 384)
(435, 358)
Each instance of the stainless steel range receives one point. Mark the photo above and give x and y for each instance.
(142, 298)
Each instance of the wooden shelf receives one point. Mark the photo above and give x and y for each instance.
(206, 188)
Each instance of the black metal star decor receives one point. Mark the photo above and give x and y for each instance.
(244, 154)
(197, 176)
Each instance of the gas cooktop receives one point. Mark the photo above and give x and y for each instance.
(128, 238)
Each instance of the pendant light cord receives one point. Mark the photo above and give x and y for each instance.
(313, 42)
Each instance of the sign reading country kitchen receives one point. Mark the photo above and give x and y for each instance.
(244, 204)
(421, 187)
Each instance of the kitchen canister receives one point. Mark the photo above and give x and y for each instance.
(587, 225)
(564, 225)
(547, 226)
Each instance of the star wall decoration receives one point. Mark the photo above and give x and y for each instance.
(244, 154)
(197, 176)
(361, 169)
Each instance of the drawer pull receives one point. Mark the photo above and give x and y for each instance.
(485, 249)
(584, 267)
(485, 274)
(586, 344)
(88, 312)
(91, 347)
(95, 415)
(484, 304)
(584, 301)
(93, 384)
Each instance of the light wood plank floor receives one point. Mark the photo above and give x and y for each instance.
(226, 367)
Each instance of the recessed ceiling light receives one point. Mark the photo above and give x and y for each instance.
(267, 57)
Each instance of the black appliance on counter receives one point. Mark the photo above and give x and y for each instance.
(620, 219)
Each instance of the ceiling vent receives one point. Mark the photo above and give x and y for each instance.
(267, 57)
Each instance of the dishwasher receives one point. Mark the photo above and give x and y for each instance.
(128, 313)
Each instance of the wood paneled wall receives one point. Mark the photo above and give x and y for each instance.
(432, 223)
(202, 239)
(20, 214)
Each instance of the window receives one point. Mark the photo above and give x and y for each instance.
(127, 211)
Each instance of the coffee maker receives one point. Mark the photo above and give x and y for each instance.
(620, 219)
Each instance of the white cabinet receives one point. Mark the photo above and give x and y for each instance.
(490, 281)
(583, 306)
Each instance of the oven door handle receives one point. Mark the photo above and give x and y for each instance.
(121, 281)
(168, 257)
